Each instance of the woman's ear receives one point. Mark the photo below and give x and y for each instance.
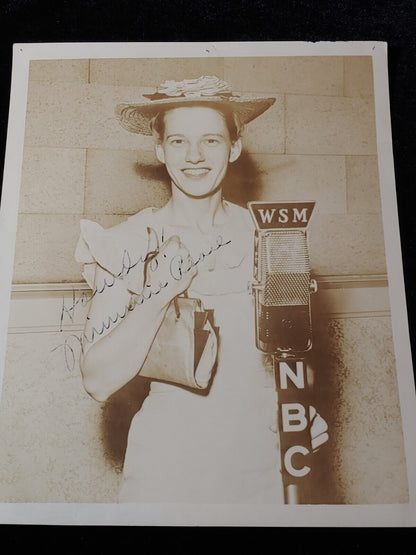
(235, 150)
(160, 153)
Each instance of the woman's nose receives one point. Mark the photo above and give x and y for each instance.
(194, 153)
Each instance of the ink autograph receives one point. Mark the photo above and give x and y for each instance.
(74, 343)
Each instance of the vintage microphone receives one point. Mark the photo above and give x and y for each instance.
(282, 286)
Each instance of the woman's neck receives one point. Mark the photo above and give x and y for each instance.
(200, 213)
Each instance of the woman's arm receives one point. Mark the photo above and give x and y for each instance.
(117, 337)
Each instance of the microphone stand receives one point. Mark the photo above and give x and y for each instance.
(294, 426)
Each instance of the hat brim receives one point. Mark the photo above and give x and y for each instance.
(136, 117)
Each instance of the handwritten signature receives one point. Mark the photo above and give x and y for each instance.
(73, 346)
(126, 266)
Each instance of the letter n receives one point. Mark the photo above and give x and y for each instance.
(298, 377)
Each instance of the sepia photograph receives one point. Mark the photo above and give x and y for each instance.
(206, 320)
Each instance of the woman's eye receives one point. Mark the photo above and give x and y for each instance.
(176, 142)
(211, 141)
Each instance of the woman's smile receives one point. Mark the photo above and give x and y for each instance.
(196, 173)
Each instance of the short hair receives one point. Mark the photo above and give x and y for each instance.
(231, 119)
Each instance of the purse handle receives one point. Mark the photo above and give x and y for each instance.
(176, 303)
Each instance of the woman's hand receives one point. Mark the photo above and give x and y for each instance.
(169, 272)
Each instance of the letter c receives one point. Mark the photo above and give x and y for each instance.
(297, 473)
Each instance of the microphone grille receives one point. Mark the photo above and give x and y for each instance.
(285, 264)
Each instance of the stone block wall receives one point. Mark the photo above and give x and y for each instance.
(316, 143)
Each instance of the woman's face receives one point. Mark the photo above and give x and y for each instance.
(196, 149)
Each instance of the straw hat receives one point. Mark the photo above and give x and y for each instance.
(172, 94)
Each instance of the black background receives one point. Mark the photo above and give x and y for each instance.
(391, 21)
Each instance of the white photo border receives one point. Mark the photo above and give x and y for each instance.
(220, 515)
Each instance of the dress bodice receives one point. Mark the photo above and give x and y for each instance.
(223, 257)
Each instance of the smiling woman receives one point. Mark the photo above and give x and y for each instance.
(196, 149)
(217, 443)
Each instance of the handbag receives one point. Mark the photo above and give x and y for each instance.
(184, 350)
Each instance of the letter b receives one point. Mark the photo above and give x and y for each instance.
(293, 417)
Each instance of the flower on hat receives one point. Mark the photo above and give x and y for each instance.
(203, 86)
(136, 117)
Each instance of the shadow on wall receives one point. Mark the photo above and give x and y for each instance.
(117, 415)
(243, 182)
(152, 172)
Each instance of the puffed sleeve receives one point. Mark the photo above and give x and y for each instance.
(114, 260)
(120, 250)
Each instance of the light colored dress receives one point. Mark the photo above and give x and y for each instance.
(219, 445)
